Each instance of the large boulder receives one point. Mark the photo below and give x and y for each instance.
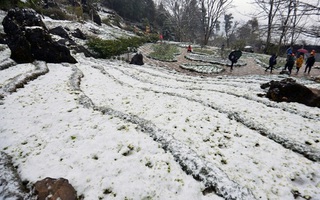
(288, 90)
(51, 189)
(66, 40)
(29, 39)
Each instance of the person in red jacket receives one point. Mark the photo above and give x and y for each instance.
(189, 49)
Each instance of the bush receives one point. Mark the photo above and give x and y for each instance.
(110, 48)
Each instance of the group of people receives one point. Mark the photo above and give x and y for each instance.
(293, 60)
(290, 61)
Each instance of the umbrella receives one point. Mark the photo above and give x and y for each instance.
(303, 50)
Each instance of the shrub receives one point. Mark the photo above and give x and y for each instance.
(110, 48)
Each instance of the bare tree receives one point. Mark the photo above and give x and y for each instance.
(310, 12)
(211, 11)
(288, 19)
(191, 21)
(286, 10)
(176, 8)
(269, 10)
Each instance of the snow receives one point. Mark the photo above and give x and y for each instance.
(119, 131)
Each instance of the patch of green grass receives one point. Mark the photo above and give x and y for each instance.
(164, 52)
(203, 51)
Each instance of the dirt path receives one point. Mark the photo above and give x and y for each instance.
(250, 69)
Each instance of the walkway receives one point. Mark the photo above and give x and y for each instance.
(250, 69)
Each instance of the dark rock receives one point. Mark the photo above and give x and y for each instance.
(29, 40)
(137, 59)
(97, 18)
(92, 12)
(16, 21)
(3, 38)
(78, 34)
(50, 189)
(289, 91)
(60, 31)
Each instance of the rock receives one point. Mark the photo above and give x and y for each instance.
(137, 59)
(78, 34)
(51, 189)
(289, 91)
(16, 21)
(3, 38)
(92, 12)
(60, 31)
(29, 39)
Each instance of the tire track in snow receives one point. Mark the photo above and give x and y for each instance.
(211, 176)
(22, 79)
(295, 146)
(7, 61)
(267, 103)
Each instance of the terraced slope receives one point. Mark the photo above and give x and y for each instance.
(206, 137)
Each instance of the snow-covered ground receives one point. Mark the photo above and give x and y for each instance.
(118, 131)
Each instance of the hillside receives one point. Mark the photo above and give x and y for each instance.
(121, 131)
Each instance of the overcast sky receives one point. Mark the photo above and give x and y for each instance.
(242, 10)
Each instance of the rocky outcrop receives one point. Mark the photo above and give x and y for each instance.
(66, 39)
(288, 90)
(50, 189)
(29, 39)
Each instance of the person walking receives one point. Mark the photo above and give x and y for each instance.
(310, 62)
(234, 57)
(272, 62)
(299, 63)
(290, 63)
(289, 52)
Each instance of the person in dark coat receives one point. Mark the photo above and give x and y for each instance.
(290, 62)
(234, 57)
(310, 62)
(272, 62)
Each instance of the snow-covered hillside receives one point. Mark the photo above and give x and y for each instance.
(118, 131)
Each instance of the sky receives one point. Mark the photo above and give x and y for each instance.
(118, 131)
(242, 10)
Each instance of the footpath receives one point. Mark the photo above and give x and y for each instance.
(252, 68)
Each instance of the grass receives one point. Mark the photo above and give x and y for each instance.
(164, 52)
